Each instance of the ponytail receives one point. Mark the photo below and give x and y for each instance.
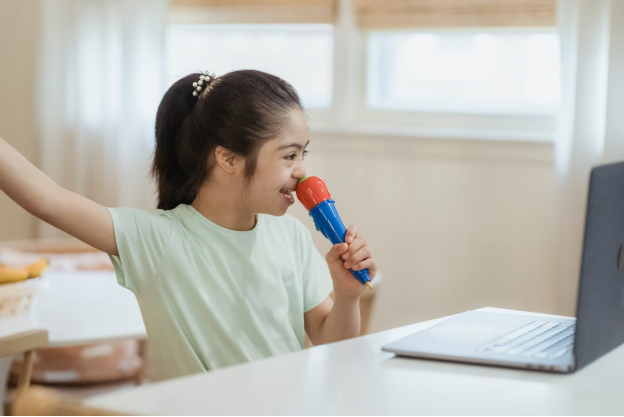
(175, 186)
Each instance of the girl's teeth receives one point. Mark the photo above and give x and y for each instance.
(287, 195)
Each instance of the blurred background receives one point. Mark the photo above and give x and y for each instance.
(457, 134)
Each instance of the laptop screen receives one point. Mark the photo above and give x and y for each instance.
(600, 307)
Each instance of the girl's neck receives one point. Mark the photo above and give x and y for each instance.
(224, 207)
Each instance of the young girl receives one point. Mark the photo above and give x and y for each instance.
(221, 274)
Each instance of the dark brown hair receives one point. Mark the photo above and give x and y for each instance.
(242, 110)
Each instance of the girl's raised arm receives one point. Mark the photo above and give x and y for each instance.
(63, 209)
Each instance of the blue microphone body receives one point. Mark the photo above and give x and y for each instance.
(329, 223)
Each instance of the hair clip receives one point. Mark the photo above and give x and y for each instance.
(205, 77)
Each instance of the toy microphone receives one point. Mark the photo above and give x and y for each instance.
(313, 194)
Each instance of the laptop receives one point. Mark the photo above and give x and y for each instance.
(548, 344)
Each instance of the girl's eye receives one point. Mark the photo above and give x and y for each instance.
(293, 156)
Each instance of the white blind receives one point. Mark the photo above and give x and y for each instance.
(253, 11)
(411, 14)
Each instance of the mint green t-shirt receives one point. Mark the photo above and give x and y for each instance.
(212, 297)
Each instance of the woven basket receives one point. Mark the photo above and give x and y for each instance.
(17, 297)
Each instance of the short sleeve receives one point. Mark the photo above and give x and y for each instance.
(142, 238)
(317, 282)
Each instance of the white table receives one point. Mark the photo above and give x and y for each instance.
(88, 307)
(82, 308)
(356, 377)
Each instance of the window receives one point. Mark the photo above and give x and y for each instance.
(495, 72)
(470, 66)
(302, 54)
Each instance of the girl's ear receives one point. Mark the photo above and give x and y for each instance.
(229, 161)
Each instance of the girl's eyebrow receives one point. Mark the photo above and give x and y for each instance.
(294, 145)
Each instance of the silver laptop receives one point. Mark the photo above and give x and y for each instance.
(534, 342)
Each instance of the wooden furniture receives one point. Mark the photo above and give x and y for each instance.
(83, 307)
(61, 245)
(38, 401)
(18, 338)
(77, 308)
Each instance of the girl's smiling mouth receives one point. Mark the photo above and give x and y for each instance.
(287, 194)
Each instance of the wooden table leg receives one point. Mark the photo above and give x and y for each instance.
(25, 373)
(140, 378)
(5, 367)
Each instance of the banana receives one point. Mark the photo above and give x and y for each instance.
(35, 269)
(9, 274)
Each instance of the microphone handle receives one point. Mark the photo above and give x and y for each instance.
(329, 223)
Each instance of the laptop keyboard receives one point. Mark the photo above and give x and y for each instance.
(538, 339)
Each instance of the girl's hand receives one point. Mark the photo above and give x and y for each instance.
(354, 254)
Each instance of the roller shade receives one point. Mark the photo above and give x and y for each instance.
(431, 14)
(254, 11)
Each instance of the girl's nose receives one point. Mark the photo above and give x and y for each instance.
(300, 171)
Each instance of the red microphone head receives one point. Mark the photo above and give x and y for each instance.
(311, 191)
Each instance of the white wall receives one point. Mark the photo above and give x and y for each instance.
(18, 43)
(453, 224)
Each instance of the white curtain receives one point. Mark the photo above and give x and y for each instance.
(591, 122)
(99, 81)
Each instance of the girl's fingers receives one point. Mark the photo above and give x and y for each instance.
(354, 247)
(369, 264)
(357, 257)
(351, 234)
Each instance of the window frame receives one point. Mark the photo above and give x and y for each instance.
(348, 112)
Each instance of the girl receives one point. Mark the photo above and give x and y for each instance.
(222, 276)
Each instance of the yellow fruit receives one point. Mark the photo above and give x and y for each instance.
(9, 274)
(34, 270)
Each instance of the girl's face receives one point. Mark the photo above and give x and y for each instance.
(279, 168)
